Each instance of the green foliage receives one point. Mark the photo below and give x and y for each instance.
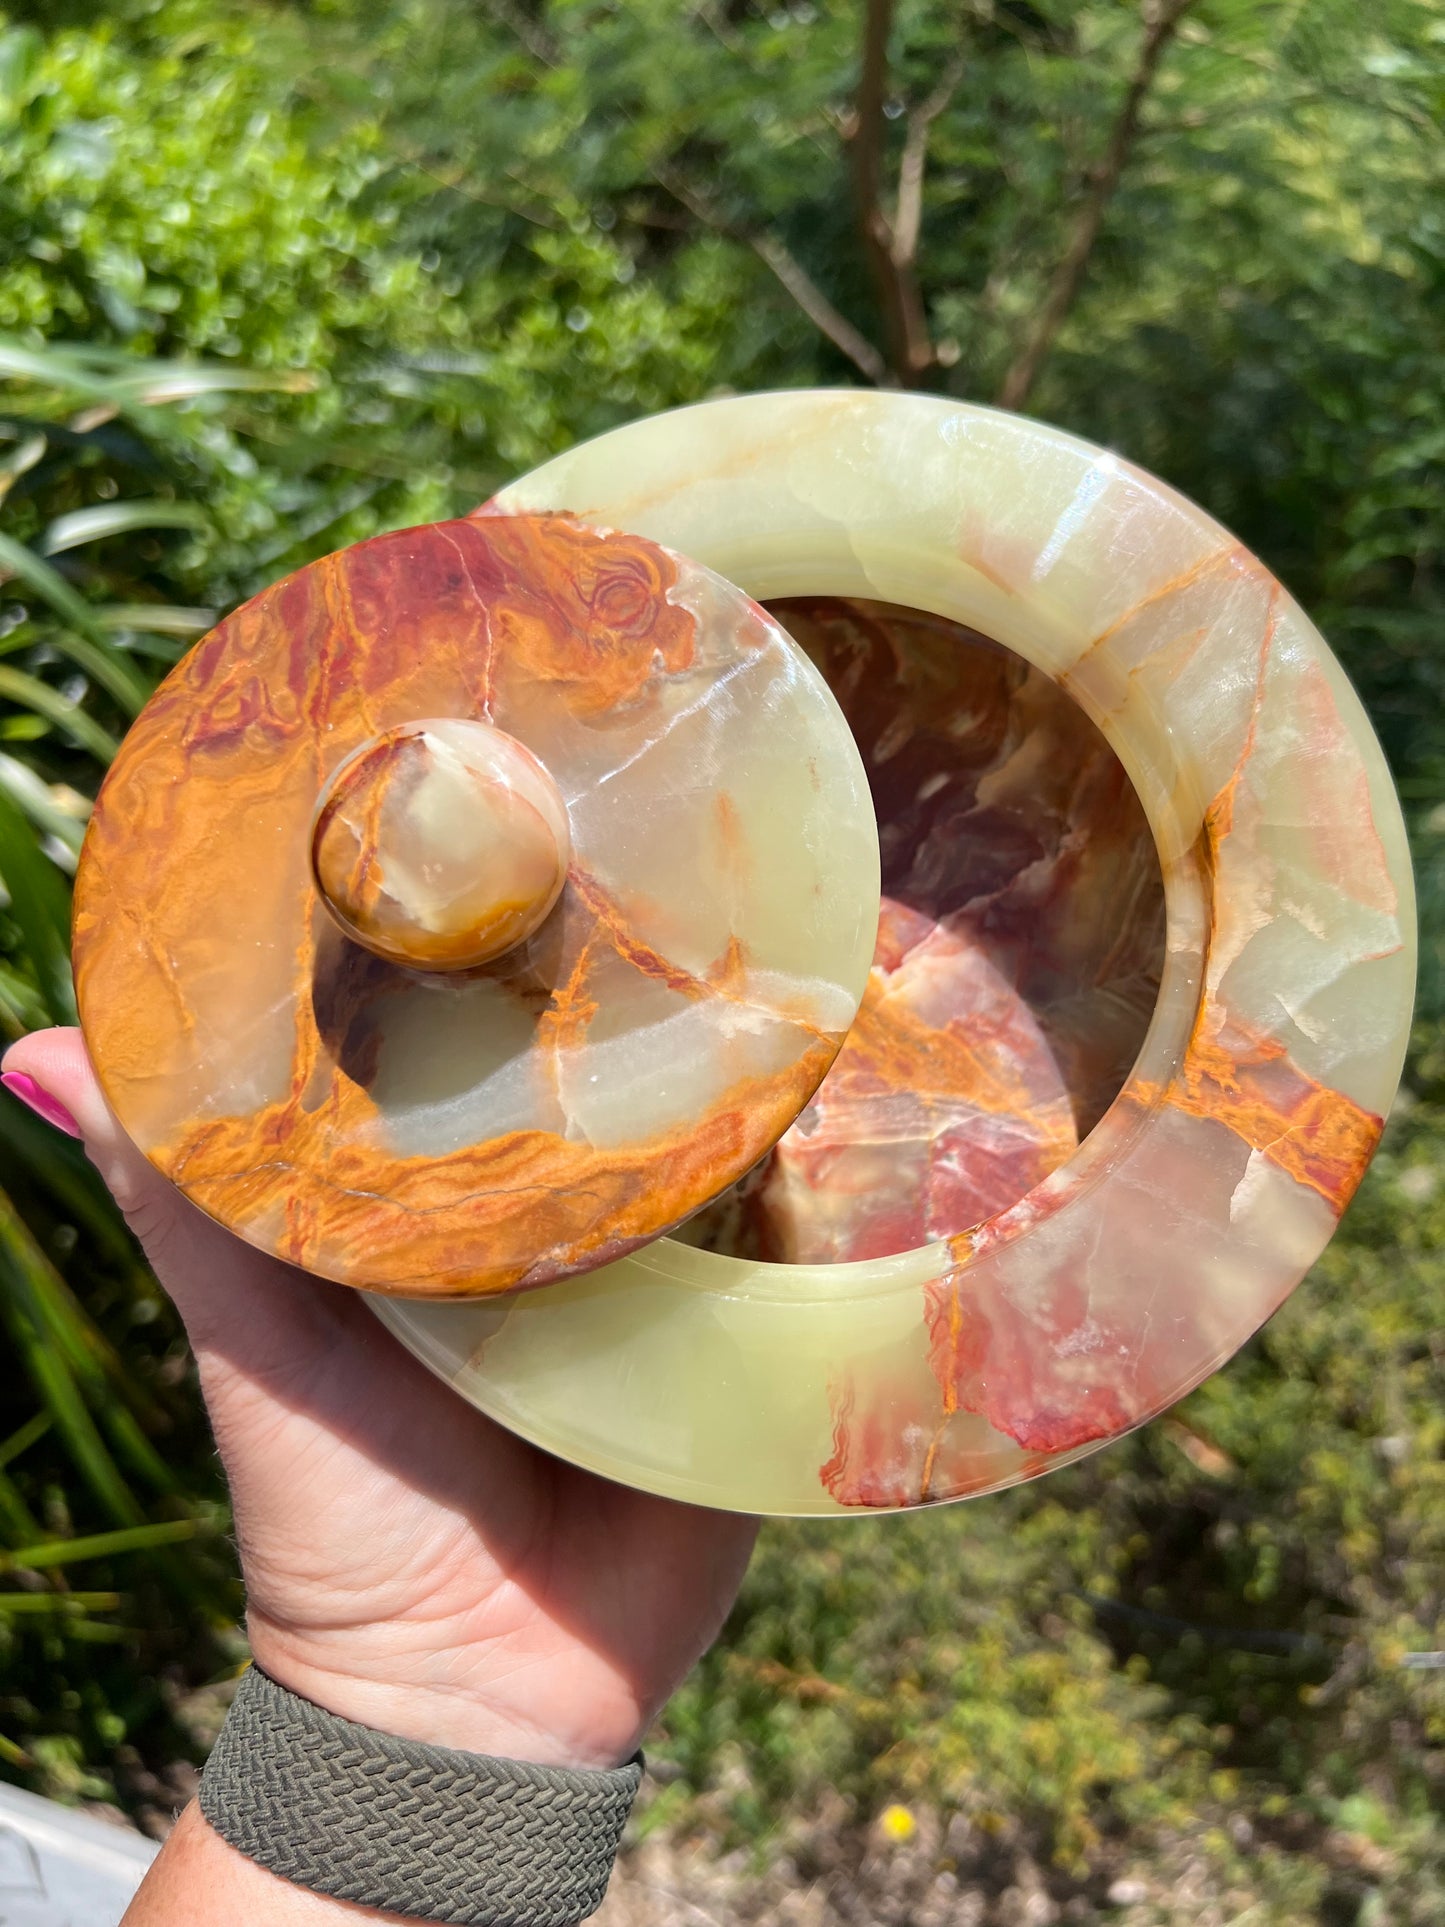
(872, 1662)
(273, 278)
(96, 1371)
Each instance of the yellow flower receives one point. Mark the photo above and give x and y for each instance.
(898, 1824)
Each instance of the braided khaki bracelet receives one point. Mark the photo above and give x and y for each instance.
(409, 1828)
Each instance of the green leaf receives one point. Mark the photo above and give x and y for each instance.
(40, 904)
(25, 457)
(125, 380)
(25, 1278)
(166, 649)
(18, 1521)
(21, 49)
(110, 1389)
(59, 1602)
(46, 1160)
(95, 1632)
(21, 1004)
(89, 647)
(24, 787)
(31, 693)
(98, 1545)
(180, 381)
(21, 1441)
(166, 618)
(118, 518)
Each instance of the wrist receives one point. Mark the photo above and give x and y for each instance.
(471, 1702)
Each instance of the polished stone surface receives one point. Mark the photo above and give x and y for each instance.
(1214, 1178)
(441, 844)
(943, 1108)
(445, 1132)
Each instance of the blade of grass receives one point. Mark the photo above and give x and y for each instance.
(59, 1602)
(22, 1008)
(102, 1376)
(23, 1269)
(65, 367)
(98, 1545)
(24, 458)
(35, 798)
(88, 647)
(31, 693)
(165, 618)
(14, 1755)
(97, 1632)
(166, 649)
(134, 1448)
(61, 1167)
(118, 518)
(57, 1343)
(21, 1441)
(85, 372)
(18, 1521)
(182, 381)
(99, 1366)
(40, 904)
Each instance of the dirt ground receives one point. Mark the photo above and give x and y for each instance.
(943, 1875)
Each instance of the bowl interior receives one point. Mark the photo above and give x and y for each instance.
(1021, 944)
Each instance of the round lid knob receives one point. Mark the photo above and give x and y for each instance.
(440, 844)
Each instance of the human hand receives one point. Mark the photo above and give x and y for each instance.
(408, 1563)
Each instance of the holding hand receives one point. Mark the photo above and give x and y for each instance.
(408, 1563)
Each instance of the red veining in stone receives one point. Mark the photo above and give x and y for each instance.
(944, 1105)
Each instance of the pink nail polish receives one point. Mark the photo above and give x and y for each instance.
(23, 1086)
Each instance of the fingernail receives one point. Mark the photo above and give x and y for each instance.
(20, 1085)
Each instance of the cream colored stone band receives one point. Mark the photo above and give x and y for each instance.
(1219, 1173)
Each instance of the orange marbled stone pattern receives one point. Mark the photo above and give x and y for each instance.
(944, 1106)
(472, 1129)
(1005, 816)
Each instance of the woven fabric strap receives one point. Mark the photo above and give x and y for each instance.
(408, 1828)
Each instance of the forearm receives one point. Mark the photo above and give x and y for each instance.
(198, 1878)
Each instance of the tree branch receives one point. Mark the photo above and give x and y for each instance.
(1161, 23)
(909, 218)
(531, 33)
(819, 309)
(891, 247)
(791, 275)
(866, 137)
